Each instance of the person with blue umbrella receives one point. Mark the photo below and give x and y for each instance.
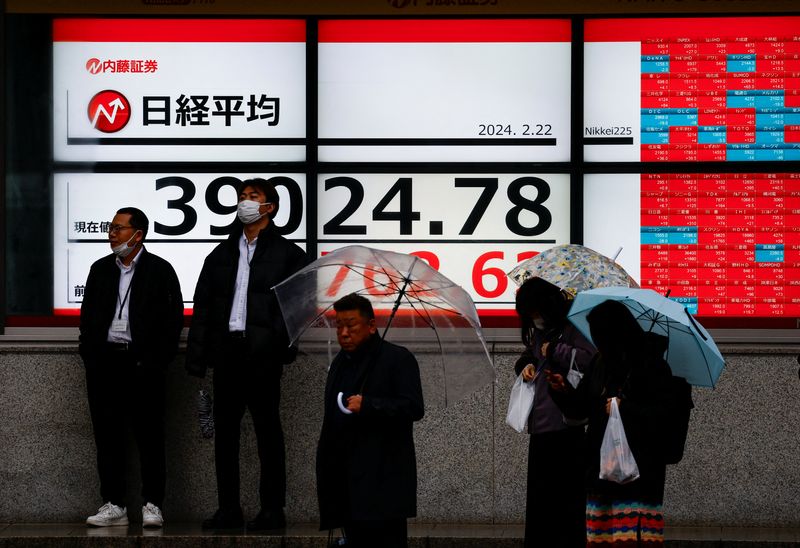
(631, 369)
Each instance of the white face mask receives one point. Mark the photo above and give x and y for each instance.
(123, 250)
(539, 324)
(247, 211)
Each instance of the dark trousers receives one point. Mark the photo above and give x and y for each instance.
(242, 383)
(373, 534)
(122, 397)
(555, 511)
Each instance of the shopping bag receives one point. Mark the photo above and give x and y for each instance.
(616, 459)
(520, 404)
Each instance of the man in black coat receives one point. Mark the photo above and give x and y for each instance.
(366, 464)
(131, 320)
(238, 330)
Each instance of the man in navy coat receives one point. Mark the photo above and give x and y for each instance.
(366, 463)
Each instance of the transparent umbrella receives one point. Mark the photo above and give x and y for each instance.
(429, 314)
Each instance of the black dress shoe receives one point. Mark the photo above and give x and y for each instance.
(267, 520)
(225, 519)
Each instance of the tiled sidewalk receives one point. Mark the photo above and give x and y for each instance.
(305, 535)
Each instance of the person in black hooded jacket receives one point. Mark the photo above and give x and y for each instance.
(238, 330)
(630, 367)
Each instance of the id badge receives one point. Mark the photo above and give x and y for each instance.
(120, 326)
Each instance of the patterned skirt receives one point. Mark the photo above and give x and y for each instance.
(614, 522)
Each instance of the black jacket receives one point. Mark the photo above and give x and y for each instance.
(274, 259)
(645, 403)
(155, 309)
(366, 466)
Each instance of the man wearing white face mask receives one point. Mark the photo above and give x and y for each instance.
(238, 330)
(131, 320)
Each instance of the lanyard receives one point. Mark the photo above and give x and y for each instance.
(124, 300)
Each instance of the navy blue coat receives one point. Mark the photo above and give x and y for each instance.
(369, 470)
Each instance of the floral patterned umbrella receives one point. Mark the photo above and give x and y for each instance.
(573, 268)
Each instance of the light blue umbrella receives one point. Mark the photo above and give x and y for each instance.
(692, 353)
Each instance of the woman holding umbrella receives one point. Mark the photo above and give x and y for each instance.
(630, 367)
(556, 496)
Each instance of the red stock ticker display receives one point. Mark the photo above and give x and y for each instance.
(734, 96)
(710, 89)
(724, 244)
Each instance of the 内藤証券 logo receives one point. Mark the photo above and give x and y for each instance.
(109, 111)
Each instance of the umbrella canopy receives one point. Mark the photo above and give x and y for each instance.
(573, 268)
(692, 353)
(438, 318)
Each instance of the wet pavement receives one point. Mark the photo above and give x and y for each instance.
(306, 535)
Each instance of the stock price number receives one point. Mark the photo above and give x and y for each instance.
(487, 271)
(458, 206)
(215, 205)
(482, 273)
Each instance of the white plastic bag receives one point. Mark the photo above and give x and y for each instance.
(616, 459)
(520, 404)
(574, 376)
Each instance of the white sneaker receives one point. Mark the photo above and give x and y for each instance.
(151, 516)
(109, 514)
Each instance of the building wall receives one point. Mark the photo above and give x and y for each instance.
(740, 466)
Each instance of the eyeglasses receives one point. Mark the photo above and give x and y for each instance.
(117, 228)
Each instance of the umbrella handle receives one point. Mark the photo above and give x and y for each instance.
(343, 408)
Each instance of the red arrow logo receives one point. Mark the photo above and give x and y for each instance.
(109, 111)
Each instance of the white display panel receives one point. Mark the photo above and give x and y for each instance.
(473, 227)
(611, 218)
(179, 90)
(444, 90)
(189, 214)
(611, 101)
